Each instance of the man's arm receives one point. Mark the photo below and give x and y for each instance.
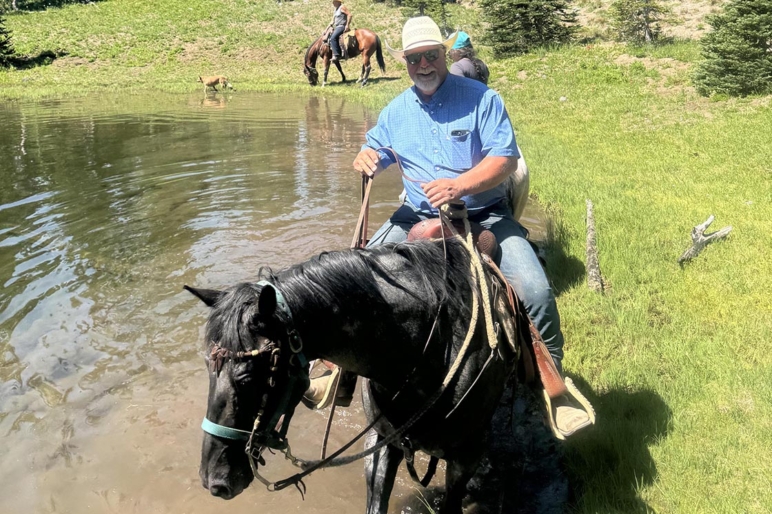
(491, 172)
(348, 18)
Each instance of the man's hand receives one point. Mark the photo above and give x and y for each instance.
(367, 163)
(442, 190)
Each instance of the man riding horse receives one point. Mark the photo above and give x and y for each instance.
(455, 141)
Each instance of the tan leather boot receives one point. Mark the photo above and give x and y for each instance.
(319, 394)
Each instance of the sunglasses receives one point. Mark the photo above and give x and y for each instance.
(431, 55)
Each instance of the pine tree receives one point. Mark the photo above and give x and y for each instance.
(435, 9)
(737, 54)
(517, 26)
(639, 21)
(6, 46)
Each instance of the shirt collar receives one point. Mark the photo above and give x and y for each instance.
(440, 95)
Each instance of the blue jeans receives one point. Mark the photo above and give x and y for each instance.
(334, 40)
(515, 258)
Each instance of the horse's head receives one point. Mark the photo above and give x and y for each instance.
(311, 74)
(256, 375)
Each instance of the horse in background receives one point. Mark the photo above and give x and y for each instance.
(363, 41)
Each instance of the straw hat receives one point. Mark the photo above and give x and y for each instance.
(418, 32)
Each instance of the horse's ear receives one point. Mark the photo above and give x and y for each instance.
(208, 296)
(266, 302)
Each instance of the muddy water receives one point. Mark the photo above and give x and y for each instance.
(108, 205)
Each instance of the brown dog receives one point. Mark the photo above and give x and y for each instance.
(214, 81)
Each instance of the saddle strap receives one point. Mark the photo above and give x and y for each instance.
(548, 372)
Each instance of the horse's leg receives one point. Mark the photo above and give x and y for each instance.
(365, 68)
(326, 70)
(342, 76)
(457, 475)
(380, 472)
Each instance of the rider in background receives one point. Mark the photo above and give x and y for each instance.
(465, 61)
(341, 20)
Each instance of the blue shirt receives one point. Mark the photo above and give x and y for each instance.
(463, 123)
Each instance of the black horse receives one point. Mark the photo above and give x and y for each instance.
(395, 314)
(363, 41)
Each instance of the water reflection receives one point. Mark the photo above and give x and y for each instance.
(109, 205)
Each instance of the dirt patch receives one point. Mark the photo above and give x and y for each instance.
(664, 65)
(69, 62)
(672, 75)
(689, 22)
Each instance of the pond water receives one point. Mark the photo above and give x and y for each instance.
(108, 206)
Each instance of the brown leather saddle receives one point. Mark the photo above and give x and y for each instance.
(433, 228)
(347, 42)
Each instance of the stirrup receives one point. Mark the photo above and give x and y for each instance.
(566, 419)
(312, 402)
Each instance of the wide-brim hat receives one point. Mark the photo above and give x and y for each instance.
(418, 32)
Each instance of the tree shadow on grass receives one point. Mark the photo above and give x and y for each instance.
(564, 271)
(42, 5)
(44, 58)
(609, 462)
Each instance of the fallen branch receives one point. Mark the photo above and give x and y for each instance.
(700, 240)
(594, 278)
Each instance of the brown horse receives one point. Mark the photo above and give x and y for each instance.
(363, 41)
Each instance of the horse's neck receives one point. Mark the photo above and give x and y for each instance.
(362, 345)
(313, 53)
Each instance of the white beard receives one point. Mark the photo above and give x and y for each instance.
(427, 84)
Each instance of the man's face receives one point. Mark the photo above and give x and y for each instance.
(427, 75)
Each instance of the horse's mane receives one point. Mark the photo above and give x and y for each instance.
(419, 268)
(308, 50)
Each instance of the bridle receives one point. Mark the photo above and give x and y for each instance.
(264, 434)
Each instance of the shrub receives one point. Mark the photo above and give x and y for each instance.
(638, 21)
(435, 9)
(737, 54)
(517, 26)
(6, 46)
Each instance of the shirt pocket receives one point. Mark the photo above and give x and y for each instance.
(461, 150)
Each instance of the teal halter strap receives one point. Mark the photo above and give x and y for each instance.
(224, 432)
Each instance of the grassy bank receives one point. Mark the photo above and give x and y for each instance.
(677, 358)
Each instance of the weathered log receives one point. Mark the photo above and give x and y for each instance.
(700, 240)
(594, 277)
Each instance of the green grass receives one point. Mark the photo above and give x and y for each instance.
(676, 360)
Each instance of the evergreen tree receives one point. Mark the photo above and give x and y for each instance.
(639, 21)
(6, 46)
(737, 54)
(517, 26)
(435, 9)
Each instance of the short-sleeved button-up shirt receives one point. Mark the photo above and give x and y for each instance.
(463, 123)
